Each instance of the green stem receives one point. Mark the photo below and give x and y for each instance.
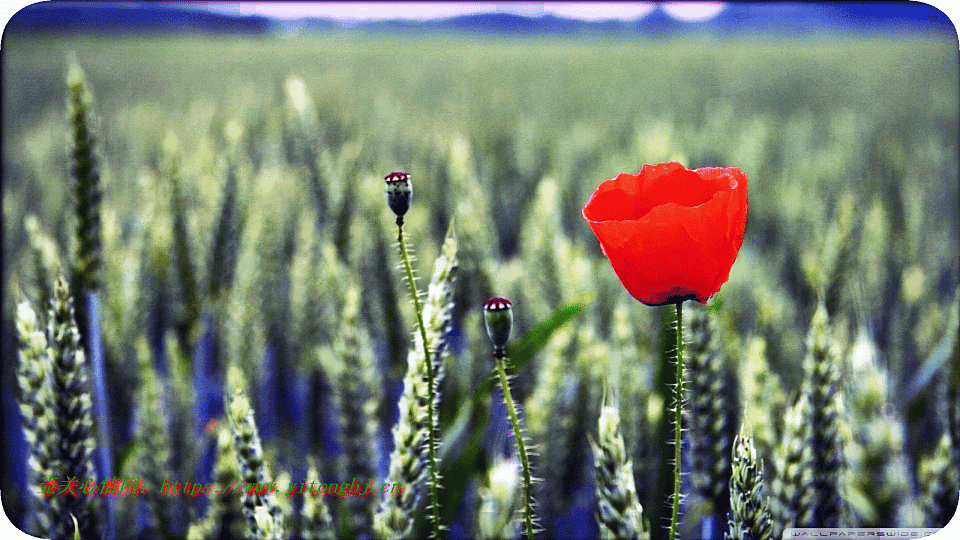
(521, 449)
(677, 435)
(431, 435)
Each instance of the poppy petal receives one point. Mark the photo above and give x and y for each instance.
(671, 233)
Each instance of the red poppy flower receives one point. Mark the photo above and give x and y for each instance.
(671, 234)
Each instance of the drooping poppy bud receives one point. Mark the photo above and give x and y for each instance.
(498, 314)
(399, 193)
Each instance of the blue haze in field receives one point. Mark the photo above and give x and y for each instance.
(736, 19)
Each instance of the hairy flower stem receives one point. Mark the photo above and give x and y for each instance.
(521, 447)
(431, 415)
(677, 440)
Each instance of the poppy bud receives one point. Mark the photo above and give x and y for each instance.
(399, 193)
(498, 314)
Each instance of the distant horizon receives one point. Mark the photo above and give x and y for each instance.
(344, 14)
(369, 11)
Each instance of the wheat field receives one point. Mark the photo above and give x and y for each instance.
(241, 311)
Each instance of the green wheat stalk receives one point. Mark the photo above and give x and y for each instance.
(244, 333)
(708, 406)
(763, 396)
(637, 420)
(222, 258)
(749, 516)
(87, 190)
(183, 394)
(36, 411)
(619, 513)
(225, 515)
(72, 438)
(792, 487)
(551, 420)
(305, 131)
(394, 517)
(630, 389)
(344, 199)
(547, 248)
(438, 306)
(879, 479)
(262, 511)
(125, 310)
(85, 169)
(353, 371)
(311, 273)
(153, 452)
(822, 387)
(827, 267)
(475, 227)
(189, 319)
(45, 262)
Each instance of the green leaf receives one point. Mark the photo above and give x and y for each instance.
(522, 350)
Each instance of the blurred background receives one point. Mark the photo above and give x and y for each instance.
(265, 130)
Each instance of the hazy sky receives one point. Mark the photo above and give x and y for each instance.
(347, 11)
(385, 10)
